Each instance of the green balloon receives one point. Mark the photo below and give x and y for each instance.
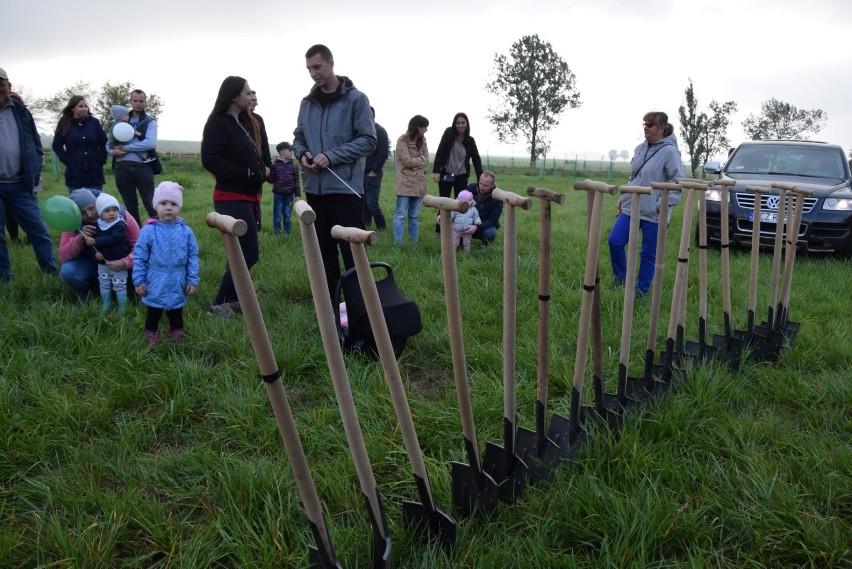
(61, 214)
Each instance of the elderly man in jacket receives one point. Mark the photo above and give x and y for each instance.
(333, 136)
(20, 170)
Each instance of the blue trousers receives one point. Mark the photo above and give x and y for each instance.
(407, 206)
(18, 200)
(282, 209)
(372, 210)
(618, 238)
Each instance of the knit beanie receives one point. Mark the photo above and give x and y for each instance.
(465, 196)
(169, 191)
(82, 197)
(118, 111)
(104, 201)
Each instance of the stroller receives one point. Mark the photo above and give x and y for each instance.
(401, 314)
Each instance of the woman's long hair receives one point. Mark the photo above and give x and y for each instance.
(413, 131)
(230, 89)
(67, 113)
(466, 130)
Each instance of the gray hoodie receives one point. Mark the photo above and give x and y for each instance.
(658, 162)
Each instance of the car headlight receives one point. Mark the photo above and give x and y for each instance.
(715, 195)
(838, 204)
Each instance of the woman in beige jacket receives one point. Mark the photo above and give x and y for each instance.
(412, 156)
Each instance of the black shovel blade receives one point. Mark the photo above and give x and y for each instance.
(728, 349)
(636, 389)
(510, 473)
(697, 353)
(472, 492)
(560, 433)
(381, 535)
(426, 517)
(541, 459)
(318, 556)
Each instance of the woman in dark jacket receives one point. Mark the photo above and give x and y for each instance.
(230, 150)
(452, 160)
(80, 143)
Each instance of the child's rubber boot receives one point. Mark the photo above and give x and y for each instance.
(152, 337)
(177, 335)
(106, 300)
(121, 298)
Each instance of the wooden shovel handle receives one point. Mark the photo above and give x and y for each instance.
(726, 183)
(642, 190)
(698, 185)
(354, 235)
(336, 365)
(304, 212)
(226, 224)
(783, 186)
(511, 198)
(666, 186)
(755, 245)
(448, 204)
(546, 195)
(594, 186)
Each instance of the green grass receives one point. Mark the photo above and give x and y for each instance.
(118, 455)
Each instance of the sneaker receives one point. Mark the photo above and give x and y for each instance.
(223, 310)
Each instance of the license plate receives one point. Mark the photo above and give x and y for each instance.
(766, 217)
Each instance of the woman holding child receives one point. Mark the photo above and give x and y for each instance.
(80, 144)
(230, 150)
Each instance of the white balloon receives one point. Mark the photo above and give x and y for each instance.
(123, 132)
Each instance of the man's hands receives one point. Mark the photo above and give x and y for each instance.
(314, 164)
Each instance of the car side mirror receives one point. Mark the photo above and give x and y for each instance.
(713, 167)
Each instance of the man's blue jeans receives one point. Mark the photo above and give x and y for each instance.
(618, 239)
(16, 198)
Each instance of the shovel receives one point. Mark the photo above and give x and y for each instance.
(322, 555)
(342, 389)
(728, 347)
(504, 464)
(700, 352)
(577, 436)
(616, 405)
(425, 514)
(644, 388)
(750, 337)
(782, 325)
(671, 371)
(544, 449)
(473, 489)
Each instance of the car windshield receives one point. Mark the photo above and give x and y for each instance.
(787, 160)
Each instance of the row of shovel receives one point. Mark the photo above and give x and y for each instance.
(526, 456)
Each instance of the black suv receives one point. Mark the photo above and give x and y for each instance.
(823, 168)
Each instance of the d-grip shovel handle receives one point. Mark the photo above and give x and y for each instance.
(454, 322)
(354, 235)
(792, 242)
(272, 379)
(546, 195)
(448, 204)
(340, 379)
(226, 224)
(511, 198)
(725, 246)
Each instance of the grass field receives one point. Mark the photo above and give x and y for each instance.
(118, 455)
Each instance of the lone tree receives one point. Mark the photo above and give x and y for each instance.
(780, 120)
(704, 134)
(624, 155)
(534, 86)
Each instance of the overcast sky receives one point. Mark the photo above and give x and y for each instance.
(434, 58)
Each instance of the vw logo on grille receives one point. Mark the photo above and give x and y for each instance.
(772, 202)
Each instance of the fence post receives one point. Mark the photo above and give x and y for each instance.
(574, 173)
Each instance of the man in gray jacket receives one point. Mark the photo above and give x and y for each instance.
(334, 134)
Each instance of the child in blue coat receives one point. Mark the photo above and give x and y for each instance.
(165, 261)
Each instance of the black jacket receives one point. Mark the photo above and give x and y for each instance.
(230, 154)
(443, 153)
